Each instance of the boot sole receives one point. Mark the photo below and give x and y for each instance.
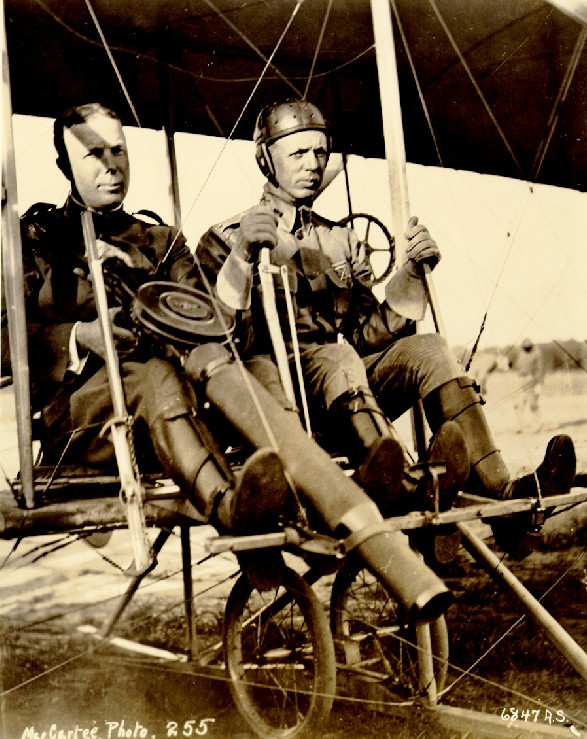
(262, 494)
(381, 473)
(559, 467)
(448, 447)
(556, 475)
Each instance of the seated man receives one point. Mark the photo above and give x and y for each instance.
(70, 382)
(69, 378)
(379, 355)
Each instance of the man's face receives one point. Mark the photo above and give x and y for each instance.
(299, 161)
(99, 161)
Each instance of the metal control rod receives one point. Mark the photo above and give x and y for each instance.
(130, 484)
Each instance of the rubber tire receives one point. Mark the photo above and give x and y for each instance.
(292, 596)
(405, 660)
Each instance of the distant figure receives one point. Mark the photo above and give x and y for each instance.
(528, 362)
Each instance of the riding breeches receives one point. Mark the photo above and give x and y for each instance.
(410, 369)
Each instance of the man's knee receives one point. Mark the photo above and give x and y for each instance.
(263, 368)
(433, 361)
(155, 388)
(335, 369)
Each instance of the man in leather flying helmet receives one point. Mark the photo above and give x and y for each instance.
(362, 360)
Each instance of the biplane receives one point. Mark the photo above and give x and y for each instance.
(206, 67)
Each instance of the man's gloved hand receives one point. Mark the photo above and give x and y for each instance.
(421, 249)
(258, 229)
(108, 251)
(89, 335)
(405, 293)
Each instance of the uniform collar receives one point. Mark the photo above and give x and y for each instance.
(74, 207)
(286, 211)
(113, 220)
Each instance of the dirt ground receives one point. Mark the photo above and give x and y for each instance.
(53, 675)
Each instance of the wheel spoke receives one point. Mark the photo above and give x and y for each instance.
(280, 657)
(376, 638)
(382, 243)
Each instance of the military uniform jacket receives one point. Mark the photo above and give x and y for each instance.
(329, 279)
(58, 292)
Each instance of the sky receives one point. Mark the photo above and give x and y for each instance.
(515, 252)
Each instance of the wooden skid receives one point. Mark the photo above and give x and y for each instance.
(76, 515)
(439, 719)
(78, 503)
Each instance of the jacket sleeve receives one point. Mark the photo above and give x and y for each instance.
(232, 276)
(178, 260)
(227, 276)
(47, 336)
(375, 325)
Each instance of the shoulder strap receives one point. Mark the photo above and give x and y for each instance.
(150, 216)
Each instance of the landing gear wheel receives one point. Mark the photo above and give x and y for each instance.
(379, 242)
(374, 637)
(280, 657)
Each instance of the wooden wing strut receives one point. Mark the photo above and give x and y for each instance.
(120, 429)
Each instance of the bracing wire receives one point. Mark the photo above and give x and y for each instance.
(318, 46)
(433, 133)
(465, 673)
(467, 366)
(240, 364)
(562, 94)
(144, 586)
(200, 76)
(268, 60)
(317, 75)
(268, 64)
(417, 81)
(113, 62)
(248, 101)
(475, 84)
(48, 671)
(497, 280)
(209, 290)
(539, 155)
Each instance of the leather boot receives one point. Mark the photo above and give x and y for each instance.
(434, 484)
(554, 476)
(336, 499)
(458, 400)
(378, 458)
(250, 504)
